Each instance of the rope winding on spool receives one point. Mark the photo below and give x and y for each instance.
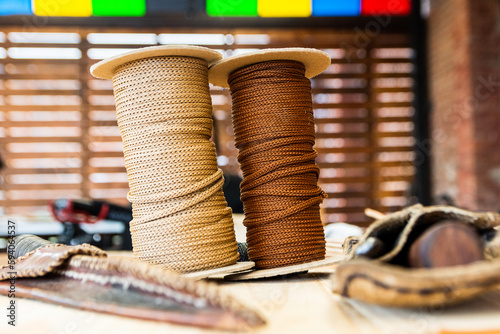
(181, 219)
(274, 133)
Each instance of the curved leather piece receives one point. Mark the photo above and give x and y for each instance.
(385, 279)
(131, 288)
(390, 285)
(46, 259)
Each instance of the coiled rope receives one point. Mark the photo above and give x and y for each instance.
(180, 217)
(274, 133)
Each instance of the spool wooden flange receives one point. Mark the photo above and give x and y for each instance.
(231, 269)
(216, 272)
(297, 268)
(315, 61)
(105, 69)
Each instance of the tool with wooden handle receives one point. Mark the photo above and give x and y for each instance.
(84, 277)
(448, 243)
(423, 257)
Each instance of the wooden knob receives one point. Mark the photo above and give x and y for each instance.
(448, 243)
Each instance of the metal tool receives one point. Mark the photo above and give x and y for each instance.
(72, 212)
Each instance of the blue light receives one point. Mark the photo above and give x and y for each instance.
(336, 7)
(15, 7)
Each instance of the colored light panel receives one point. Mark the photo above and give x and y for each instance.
(119, 8)
(336, 8)
(15, 7)
(385, 7)
(232, 7)
(284, 8)
(63, 8)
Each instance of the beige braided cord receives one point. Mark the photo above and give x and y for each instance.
(181, 219)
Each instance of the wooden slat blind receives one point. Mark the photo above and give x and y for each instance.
(58, 133)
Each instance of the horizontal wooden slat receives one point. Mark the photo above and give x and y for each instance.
(34, 155)
(106, 139)
(358, 120)
(364, 164)
(367, 105)
(40, 140)
(378, 90)
(355, 209)
(106, 154)
(44, 92)
(29, 61)
(344, 210)
(373, 149)
(365, 194)
(26, 124)
(364, 90)
(369, 60)
(136, 46)
(101, 92)
(327, 90)
(14, 171)
(349, 194)
(109, 185)
(73, 45)
(362, 179)
(41, 76)
(103, 123)
(342, 120)
(364, 134)
(106, 169)
(40, 107)
(37, 186)
(102, 107)
(364, 75)
(24, 202)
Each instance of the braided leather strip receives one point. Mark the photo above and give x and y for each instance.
(181, 219)
(274, 132)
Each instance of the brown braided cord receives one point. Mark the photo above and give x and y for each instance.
(181, 219)
(274, 132)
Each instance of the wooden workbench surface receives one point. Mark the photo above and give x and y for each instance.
(304, 304)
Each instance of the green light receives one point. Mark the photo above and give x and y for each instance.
(232, 7)
(119, 8)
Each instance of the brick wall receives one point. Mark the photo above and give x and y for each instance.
(464, 69)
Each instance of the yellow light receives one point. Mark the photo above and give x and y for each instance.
(63, 7)
(284, 8)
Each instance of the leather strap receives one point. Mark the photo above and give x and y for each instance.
(46, 259)
(83, 277)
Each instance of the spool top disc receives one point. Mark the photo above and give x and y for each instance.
(314, 60)
(106, 68)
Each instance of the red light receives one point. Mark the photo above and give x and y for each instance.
(386, 7)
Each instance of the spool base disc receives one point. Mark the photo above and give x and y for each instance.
(297, 268)
(234, 268)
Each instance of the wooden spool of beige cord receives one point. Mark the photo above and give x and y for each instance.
(181, 219)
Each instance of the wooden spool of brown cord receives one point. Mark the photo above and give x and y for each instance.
(181, 219)
(274, 132)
